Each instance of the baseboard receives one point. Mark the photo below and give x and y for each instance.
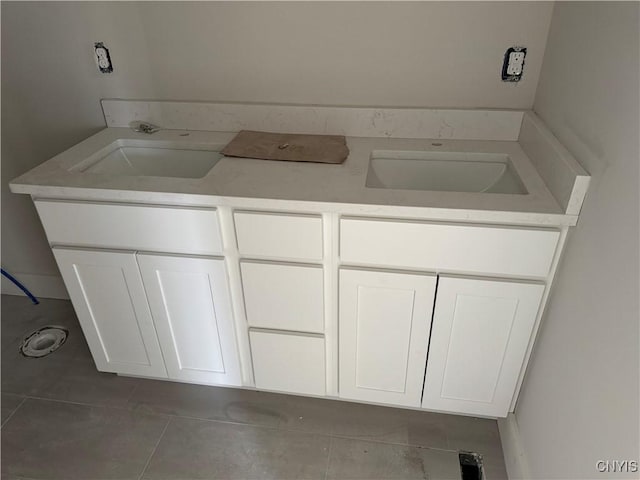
(42, 286)
(514, 456)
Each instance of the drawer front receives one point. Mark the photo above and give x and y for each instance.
(136, 227)
(469, 249)
(287, 236)
(288, 362)
(283, 297)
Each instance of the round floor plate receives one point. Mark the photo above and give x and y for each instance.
(44, 341)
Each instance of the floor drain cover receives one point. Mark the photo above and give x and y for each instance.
(44, 341)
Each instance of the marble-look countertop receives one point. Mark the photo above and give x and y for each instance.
(261, 184)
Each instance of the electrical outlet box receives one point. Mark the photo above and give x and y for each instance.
(103, 59)
(513, 64)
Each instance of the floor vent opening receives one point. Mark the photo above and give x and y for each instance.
(470, 466)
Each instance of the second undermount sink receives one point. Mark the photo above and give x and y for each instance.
(444, 171)
(149, 159)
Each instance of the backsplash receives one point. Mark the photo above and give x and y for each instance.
(350, 121)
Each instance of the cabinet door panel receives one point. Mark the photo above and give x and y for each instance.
(480, 333)
(109, 299)
(385, 320)
(190, 304)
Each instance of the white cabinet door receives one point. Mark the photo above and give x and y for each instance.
(190, 303)
(385, 319)
(109, 299)
(480, 333)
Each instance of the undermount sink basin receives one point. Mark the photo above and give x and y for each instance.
(444, 171)
(142, 160)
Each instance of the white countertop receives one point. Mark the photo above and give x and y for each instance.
(261, 184)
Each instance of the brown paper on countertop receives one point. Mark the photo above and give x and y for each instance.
(288, 146)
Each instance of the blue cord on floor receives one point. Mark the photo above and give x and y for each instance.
(20, 286)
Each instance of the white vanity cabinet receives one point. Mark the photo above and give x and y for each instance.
(308, 278)
(481, 329)
(391, 311)
(109, 298)
(385, 318)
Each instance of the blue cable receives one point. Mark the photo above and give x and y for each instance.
(20, 286)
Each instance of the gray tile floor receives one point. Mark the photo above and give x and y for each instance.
(62, 419)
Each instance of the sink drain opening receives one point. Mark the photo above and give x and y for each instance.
(43, 341)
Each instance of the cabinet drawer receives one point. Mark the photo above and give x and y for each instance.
(464, 248)
(279, 235)
(283, 297)
(136, 227)
(288, 362)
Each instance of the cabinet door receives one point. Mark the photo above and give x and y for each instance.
(190, 304)
(480, 333)
(108, 296)
(385, 319)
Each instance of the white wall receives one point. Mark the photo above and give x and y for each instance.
(434, 54)
(580, 399)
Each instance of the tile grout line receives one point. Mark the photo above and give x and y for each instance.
(133, 392)
(130, 408)
(14, 411)
(308, 432)
(153, 452)
(326, 470)
(84, 404)
(381, 442)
